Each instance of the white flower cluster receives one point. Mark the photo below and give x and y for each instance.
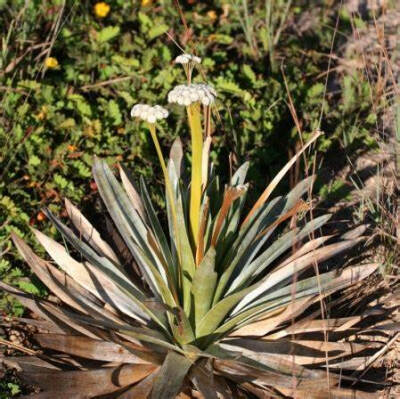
(186, 58)
(148, 113)
(189, 94)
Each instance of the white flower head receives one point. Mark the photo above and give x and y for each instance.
(148, 113)
(189, 94)
(187, 58)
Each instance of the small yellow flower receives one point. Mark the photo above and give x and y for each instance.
(51, 62)
(146, 3)
(212, 15)
(101, 9)
(71, 148)
(42, 114)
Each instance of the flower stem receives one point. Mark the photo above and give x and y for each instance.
(193, 112)
(168, 185)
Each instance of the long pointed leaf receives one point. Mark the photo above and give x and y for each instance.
(203, 285)
(96, 283)
(89, 233)
(106, 267)
(297, 266)
(127, 220)
(130, 189)
(170, 377)
(267, 192)
(218, 312)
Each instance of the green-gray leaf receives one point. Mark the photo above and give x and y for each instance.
(170, 377)
(203, 285)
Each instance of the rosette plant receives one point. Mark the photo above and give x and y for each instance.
(215, 303)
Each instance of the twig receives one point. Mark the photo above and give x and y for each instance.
(387, 58)
(18, 347)
(329, 64)
(10, 67)
(5, 252)
(282, 22)
(107, 82)
(181, 15)
(14, 89)
(175, 42)
(56, 27)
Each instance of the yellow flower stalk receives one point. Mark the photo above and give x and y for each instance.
(193, 112)
(193, 96)
(151, 115)
(206, 146)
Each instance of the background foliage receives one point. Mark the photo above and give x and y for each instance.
(55, 116)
